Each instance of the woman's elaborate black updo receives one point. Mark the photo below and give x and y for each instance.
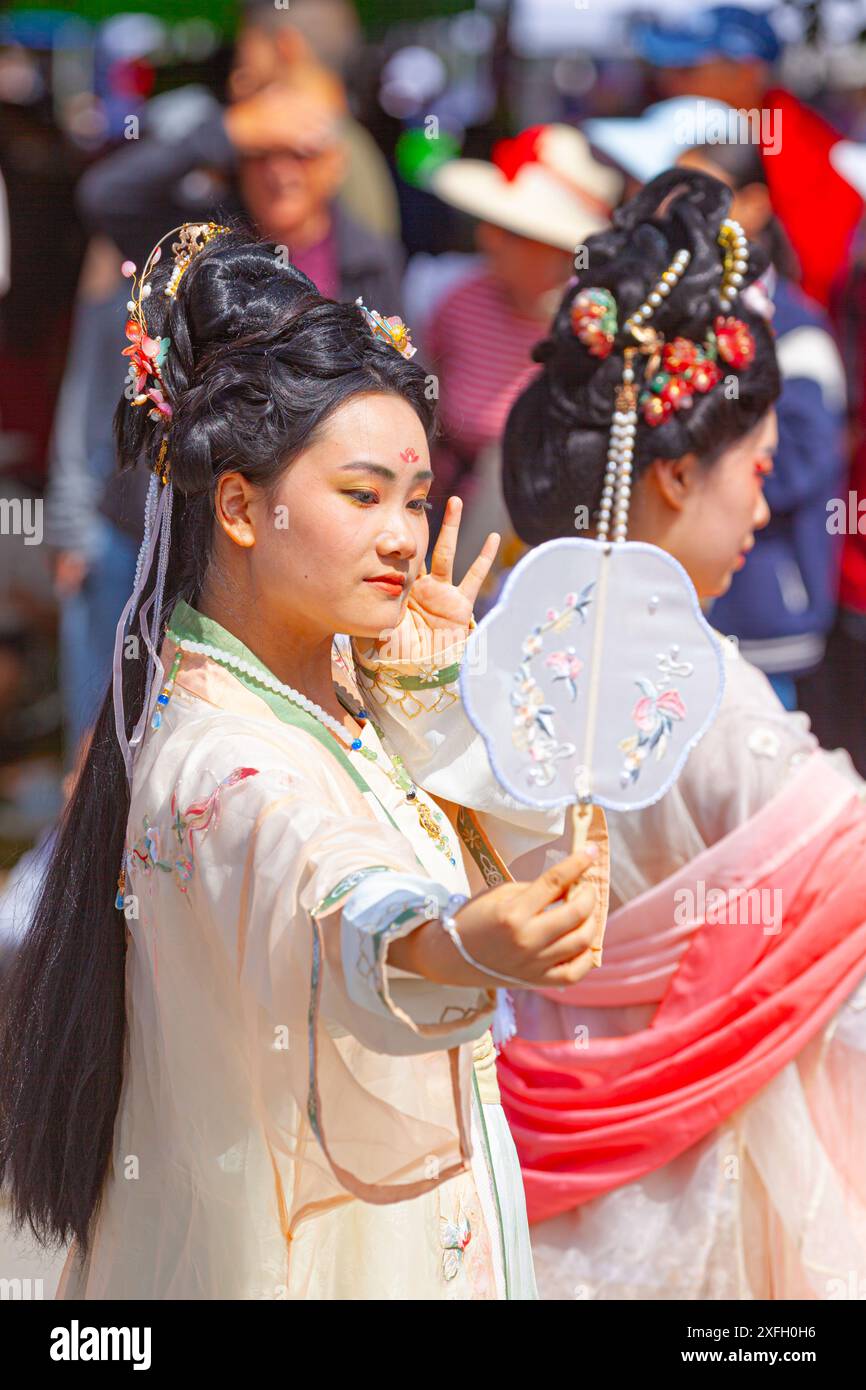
(556, 437)
(258, 361)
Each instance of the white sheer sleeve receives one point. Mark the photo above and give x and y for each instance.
(303, 857)
(749, 752)
(271, 894)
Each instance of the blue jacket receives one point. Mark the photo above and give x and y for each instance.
(781, 603)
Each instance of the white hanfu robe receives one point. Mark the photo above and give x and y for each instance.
(298, 1119)
(770, 1203)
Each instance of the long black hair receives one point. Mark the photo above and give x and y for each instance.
(258, 361)
(556, 436)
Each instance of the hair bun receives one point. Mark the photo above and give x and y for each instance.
(680, 210)
(236, 291)
(556, 436)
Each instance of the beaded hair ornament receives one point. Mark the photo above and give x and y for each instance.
(148, 354)
(391, 330)
(675, 372)
(145, 386)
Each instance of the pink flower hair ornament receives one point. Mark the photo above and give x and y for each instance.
(147, 354)
(391, 330)
(146, 387)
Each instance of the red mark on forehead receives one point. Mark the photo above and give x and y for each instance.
(409, 455)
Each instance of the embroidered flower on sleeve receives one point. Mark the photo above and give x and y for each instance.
(764, 743)
(147, 853)
(455, 1237)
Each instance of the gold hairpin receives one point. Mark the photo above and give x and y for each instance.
(391, 330)
(193, 237)
(161, 467)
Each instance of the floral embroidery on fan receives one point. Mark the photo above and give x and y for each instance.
(654, 714)
(533, 731)
(567, 667)
(198, 816)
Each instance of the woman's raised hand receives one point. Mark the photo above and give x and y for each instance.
(438, 612)
(513, 930)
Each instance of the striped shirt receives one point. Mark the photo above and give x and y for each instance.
(479, 347)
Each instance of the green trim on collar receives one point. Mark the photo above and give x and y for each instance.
(187, 623)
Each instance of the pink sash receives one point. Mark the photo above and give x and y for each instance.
(748, 993)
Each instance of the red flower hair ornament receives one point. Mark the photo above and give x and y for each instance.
(678, 370)
(688, 369)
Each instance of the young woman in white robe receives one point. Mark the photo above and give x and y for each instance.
(263, 1070)
(691, 1118)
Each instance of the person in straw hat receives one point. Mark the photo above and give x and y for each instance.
(537, 200)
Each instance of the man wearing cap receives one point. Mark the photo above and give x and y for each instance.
(727, 53)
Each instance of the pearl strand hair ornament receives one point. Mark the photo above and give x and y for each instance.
(616, 485)
(735, 245)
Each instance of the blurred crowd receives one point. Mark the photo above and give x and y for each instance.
(447, 168)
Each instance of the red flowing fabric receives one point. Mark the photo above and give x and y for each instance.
(818, 208)
(740, 1005)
